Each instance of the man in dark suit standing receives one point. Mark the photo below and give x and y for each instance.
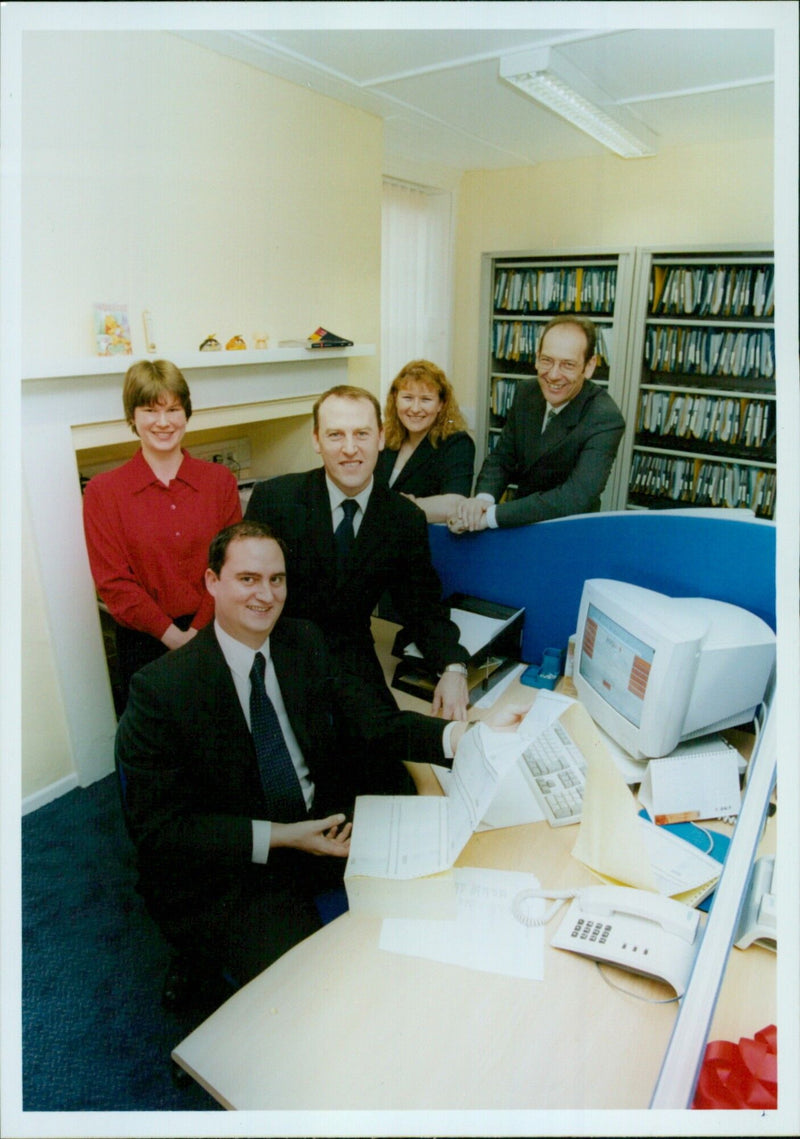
(235, 783)
(387, 550)
(558, 443)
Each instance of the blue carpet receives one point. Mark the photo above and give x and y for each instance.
(94, 1035)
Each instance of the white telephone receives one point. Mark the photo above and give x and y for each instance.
(635, 930)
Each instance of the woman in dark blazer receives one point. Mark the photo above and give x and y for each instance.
(428, 457)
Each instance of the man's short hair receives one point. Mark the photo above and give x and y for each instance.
(237, 532)
(346, 391)
(586, 326)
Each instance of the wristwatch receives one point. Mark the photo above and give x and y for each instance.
(461, 669)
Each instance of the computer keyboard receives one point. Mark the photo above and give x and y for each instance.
(557, 774)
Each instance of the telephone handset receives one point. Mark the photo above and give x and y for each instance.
(758, 920)
(636, 930)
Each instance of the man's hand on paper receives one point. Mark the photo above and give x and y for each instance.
(507, 719)
(329, 836)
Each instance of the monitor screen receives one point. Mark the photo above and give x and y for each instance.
(616, 663)
(654, 671)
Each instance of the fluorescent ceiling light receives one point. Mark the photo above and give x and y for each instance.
(551, 80)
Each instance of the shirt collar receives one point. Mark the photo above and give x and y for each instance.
(142, 474)
(338, 496)
(551, 410)
(238, 656)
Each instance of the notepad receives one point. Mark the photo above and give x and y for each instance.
(699, 780)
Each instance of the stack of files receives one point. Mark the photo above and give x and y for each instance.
(708, 290)
(578, 289)
(503, 392)
(514, 340)
(709, 418)
(739, 353)
(703, 483)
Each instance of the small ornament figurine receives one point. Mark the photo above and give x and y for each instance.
(260, 340)
(236, 344)
(211, 344)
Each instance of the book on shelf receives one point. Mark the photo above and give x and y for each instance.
(322, 338)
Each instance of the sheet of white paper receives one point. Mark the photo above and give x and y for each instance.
(399, 836)
(546, 708)
(513, 804)
(482, 760)
(485, 934)
(677, 865)
(410, 836)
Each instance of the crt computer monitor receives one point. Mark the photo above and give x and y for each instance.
(654, 671)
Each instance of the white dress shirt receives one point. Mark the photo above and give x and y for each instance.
(239, 658)
(338, 496)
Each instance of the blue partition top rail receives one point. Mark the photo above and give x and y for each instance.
(543, 566)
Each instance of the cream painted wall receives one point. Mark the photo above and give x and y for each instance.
(220, 198)
(159, 174)
(699, 195)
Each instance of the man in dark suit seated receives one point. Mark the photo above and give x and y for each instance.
(559, 440)
(235, 783)
(386, 551)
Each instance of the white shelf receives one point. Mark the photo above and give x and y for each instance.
(118, 365)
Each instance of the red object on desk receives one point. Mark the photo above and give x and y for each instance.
(743, 1075)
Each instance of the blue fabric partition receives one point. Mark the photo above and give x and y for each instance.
(543, 567)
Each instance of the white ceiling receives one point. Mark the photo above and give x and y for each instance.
(442, 101)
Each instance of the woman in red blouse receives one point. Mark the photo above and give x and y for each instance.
(149, 522)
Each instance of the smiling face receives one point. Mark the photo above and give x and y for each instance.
(349, 440)
(561, 363)
(417, 405)
(250, 592)
(161, 426)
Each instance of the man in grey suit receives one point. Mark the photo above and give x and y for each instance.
(230, 866)
(558, 443)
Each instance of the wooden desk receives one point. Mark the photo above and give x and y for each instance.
(338, 1024)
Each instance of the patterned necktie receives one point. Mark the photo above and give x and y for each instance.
(285, 802)
(344, 533)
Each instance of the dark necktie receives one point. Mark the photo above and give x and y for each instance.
(285, 801)
(344, 533)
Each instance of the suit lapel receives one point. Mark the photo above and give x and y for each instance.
(320, 529)
(216, 687)
(559, 426)
(419, 459)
